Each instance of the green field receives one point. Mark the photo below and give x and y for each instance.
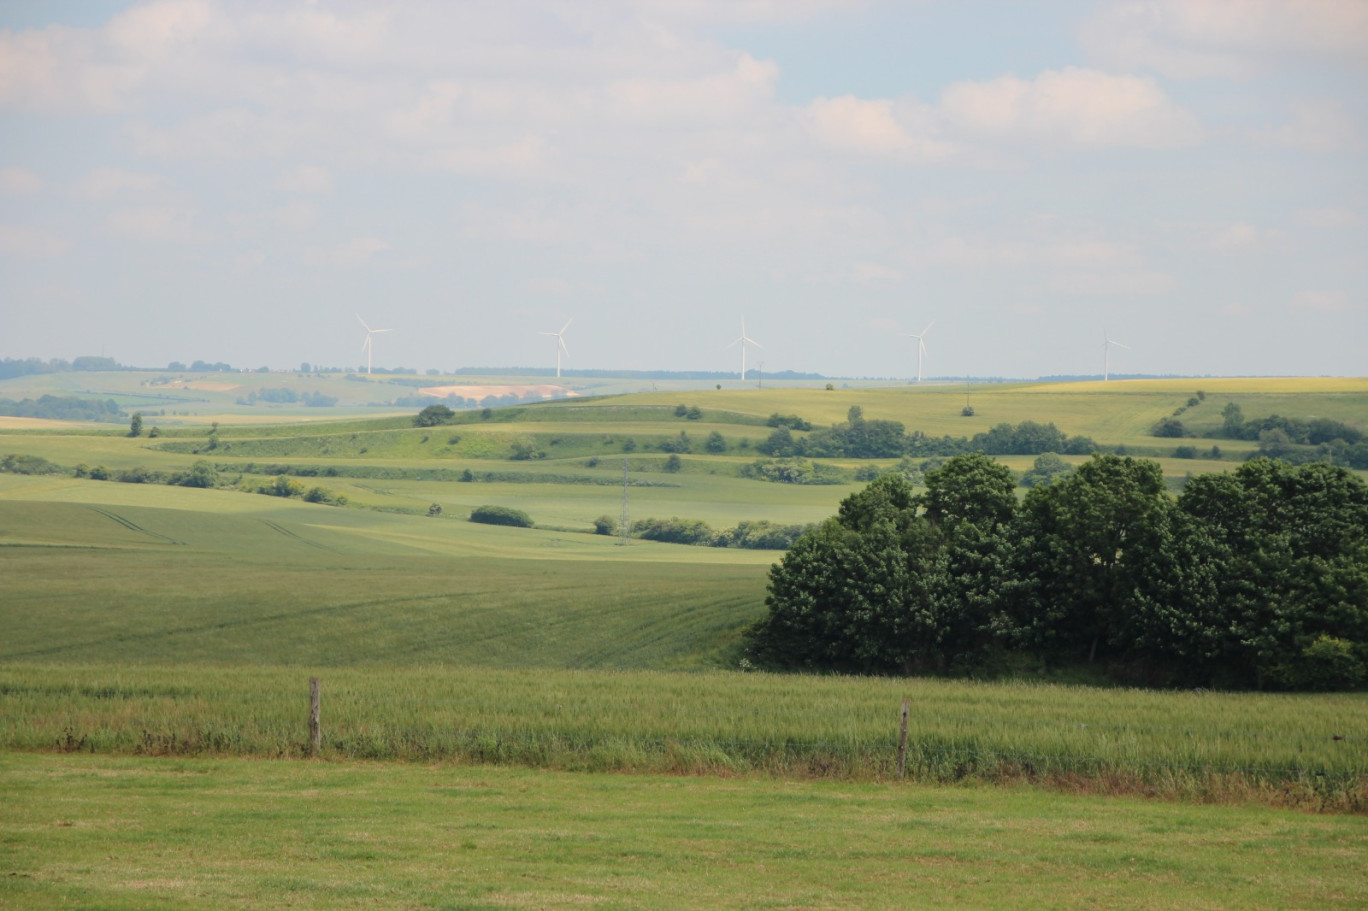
(178, 627)
(119, 833)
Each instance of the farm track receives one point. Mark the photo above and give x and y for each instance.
(133, 526)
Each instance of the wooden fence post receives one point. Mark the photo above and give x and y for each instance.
(315, 727)
(902, 740)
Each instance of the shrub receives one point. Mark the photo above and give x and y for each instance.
(501, 515)
(433, 415)
(605, 525)
(674, 531)
(28, 464)
(674, 463)
(1326, 665)
(1169, 427)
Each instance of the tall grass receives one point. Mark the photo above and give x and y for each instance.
(1308, 750)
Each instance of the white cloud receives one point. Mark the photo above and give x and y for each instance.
(355, 252)
(1231, 38)
(297, 215)
(1333, 218)
(1120, 283)
(1315, 126)
(1071, 107)
(107, 183)
(1322, 301)
(1074, 253)
(1241, 237)
(305, 178)
(27, 242)
(170, 224)
(15, 181)
(877, 126)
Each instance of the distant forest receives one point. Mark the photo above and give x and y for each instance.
(62, 408)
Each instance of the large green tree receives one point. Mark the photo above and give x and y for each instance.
(1085, 553)
(1295, 572)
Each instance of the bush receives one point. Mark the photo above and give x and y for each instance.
(1326, 665)
(28, 464)
(605, 525)
(674, 531)
(760, 536)
(674, 463)
(501, 515)
(433, 415)
(1170, 428)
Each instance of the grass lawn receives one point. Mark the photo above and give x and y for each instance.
(120, 832)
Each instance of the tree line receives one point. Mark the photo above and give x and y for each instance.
(861, 438)
(1256, 578)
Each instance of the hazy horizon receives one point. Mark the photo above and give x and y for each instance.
(238, 181)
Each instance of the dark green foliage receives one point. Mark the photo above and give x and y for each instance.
(681, 443)
(760, 536)
(792, 421)
(201, 474)
(881, 588)
(434, 510)
(674, 463)
(1254, 578)
(29, 464)
(501, 515)
(605, 525)
(62, 408)
(135, 426)
(970, 488)
(716, 443)
(673, 531)
(433, 415)
(1169, 427)
(792, 471)
(1048, 468)
(1029, 438)
(1295, 568)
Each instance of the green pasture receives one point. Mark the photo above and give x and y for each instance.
(123, 833)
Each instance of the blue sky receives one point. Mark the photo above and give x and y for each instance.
(186, 179)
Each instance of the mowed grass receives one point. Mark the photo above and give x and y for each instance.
(119, 833)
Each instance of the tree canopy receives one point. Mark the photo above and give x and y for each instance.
(1257, 578)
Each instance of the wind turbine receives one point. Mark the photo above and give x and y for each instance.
(560, 344)
(366, 345)
(921, 346)
(743, 341)
(1107, 343)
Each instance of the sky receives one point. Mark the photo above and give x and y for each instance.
(246, 181)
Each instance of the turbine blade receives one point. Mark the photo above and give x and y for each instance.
(362, 322)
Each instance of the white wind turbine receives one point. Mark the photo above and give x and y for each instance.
(366, 345)
(560, 344)
(743, 341)
(921, 346)
(1107, 343)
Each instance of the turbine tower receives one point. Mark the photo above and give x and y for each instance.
(743, 341)
(921, 346)
(1107, 343)
(366, 345)
(560, 344)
